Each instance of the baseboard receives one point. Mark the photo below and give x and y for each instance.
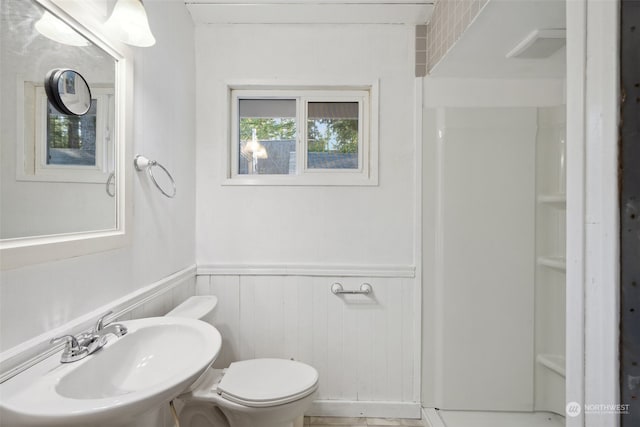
(372, 409)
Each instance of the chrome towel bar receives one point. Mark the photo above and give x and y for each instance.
(365, 289)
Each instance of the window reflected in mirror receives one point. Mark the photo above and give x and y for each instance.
(71, 140)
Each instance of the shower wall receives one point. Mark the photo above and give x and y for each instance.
(485, 318)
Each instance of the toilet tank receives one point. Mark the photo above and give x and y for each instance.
(197, 307)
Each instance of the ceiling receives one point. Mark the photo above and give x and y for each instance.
(310, 11)
(479, 53)
(501, 25)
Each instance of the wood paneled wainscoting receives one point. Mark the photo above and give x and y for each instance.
(365, 347)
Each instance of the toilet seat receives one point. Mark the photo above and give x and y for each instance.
(260, 383)
(251, 393)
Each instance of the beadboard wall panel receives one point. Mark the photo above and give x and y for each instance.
(363, 346)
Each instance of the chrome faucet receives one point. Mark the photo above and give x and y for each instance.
(102, 330)
(116, 329)
(89, 342)
(73, 350)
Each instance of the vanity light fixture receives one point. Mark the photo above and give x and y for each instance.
(129, 24)
(56, 30)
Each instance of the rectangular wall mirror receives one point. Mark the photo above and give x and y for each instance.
(63, 177)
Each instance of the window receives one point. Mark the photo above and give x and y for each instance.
(74, 148)
(71, 140)
(302, 137)
(333, 135)
(62, 148)
(267, 136)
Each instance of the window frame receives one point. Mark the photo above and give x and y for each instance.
(367, 172)
(363, 134)
(97, 173)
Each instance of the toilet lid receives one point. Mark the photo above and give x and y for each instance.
(267, 382)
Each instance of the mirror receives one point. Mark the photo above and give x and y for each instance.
(62, 173)
(68, 92)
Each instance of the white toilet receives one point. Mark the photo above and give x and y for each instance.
(250, 393)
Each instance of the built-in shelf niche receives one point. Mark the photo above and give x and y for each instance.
(550, 262)
(553, 362)
(556, 200)
(557, 263)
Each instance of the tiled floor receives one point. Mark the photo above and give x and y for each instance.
(359, 422)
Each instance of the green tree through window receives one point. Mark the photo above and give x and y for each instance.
(71, 140)
(338, 135)
(267, 129)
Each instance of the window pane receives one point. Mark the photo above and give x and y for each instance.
(71, 140)
(267, 136)
(332, 135)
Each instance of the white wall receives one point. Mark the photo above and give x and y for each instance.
(39, 298)
(309, 225)
(273, 275)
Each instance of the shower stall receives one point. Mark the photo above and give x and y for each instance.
(494, 218)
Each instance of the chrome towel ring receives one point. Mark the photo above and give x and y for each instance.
(110, 182)
(141, 163)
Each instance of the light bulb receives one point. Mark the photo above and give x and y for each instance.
(129, 24)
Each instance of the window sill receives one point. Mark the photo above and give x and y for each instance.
(320, 180)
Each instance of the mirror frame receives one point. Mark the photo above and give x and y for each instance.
(20, 252)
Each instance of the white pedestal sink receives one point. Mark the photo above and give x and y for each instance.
(130, 377)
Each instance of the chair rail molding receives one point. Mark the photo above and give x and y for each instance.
(324, 270)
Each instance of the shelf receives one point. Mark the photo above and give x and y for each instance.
(556, 200)
(557, 263)
(553, 362)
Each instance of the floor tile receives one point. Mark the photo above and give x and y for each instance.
(333, 425)
(383, 422)
(337, 421)
(380, 422)
(412, 422)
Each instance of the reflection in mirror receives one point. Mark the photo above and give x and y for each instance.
(53, 28)
(68, 92)
(57, 169)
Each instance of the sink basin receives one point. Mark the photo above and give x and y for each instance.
(154, 362)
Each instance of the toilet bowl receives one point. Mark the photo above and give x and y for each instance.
(249, 393)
